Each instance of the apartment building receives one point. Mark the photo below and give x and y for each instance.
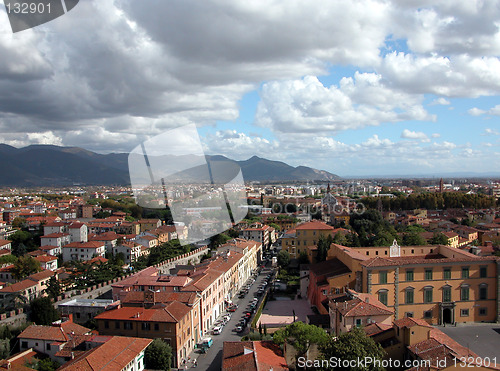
(172, 322)
(306, 234)
(264, 234)
(83, 250)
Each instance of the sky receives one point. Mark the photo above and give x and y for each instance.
(352, 87)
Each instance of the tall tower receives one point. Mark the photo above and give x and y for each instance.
(328, 188)
(441, 186)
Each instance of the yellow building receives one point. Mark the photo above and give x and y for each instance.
(437, 283)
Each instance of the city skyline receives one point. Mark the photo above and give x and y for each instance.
(357, 88)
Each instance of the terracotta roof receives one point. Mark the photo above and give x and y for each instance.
(113, 355)
(376, 328)
(85, 245)
(249, 356)
(358, 308)
(410, 322)
(18, 286)
(61, 333)
(4, 242)
(44, 274)
(160, 297)
(171, 312)
(314, 225)
(45, 258)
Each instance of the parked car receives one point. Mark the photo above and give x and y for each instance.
(217, 330)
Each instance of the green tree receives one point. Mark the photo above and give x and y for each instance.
(42, 312)
(158, 355)
(8, 259)
(18, 222)
(323, 247)
(283, 258)
(354, 345)
(301, 336)
(217, 240)
(413, 239)
(303, 258)
(24, 266)
(54, 288)
(438, 239)
(47, 364)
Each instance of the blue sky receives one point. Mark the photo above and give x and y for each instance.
(355, 87)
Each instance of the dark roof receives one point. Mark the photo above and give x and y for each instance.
(329, 268)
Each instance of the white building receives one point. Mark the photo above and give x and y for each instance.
(83, 250)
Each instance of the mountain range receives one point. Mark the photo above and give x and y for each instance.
(48, 165)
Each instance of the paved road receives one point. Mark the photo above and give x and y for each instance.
(212, 360)
(482, 339)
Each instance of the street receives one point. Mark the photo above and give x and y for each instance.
(212, 360)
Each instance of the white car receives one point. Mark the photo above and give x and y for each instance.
(217, 330)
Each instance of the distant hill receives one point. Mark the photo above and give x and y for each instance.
(47, 165)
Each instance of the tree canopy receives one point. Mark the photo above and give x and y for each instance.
(283, 258)
(353, 345)
(158, 355)
(24, 266)
(42, 312)
(301, 336)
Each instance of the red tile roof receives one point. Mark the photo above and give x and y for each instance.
(314, 225)
(252, 356)
(113, 355)
(61, 333)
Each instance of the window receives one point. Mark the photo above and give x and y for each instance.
(428, 274)
(464, 293)
(409, 275)
(127, 326)
(446, 273)
(106, 324)
(157, 327)
(48, 346)
(382, 277)
(428, 314)
(465, 272)
(409, 314)
(24, 344)
(358, 322)
(427, 294)
(382, 297)
(464, 313)
(146, 326)
(446, 294)
(483, 292)
(117, 325)
(409, 296)
(483, 272)
(483, 311)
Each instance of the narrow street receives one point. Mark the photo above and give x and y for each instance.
(212, 360)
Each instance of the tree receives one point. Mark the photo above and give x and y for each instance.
(54, 288)
(43, 312)
(413, 239)
(24, 266)
(47, 365)
(438, 239)
(301, 336)
(354, 345)
(303, 257)
(283, 258)
(158, 355)
(323, 247)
